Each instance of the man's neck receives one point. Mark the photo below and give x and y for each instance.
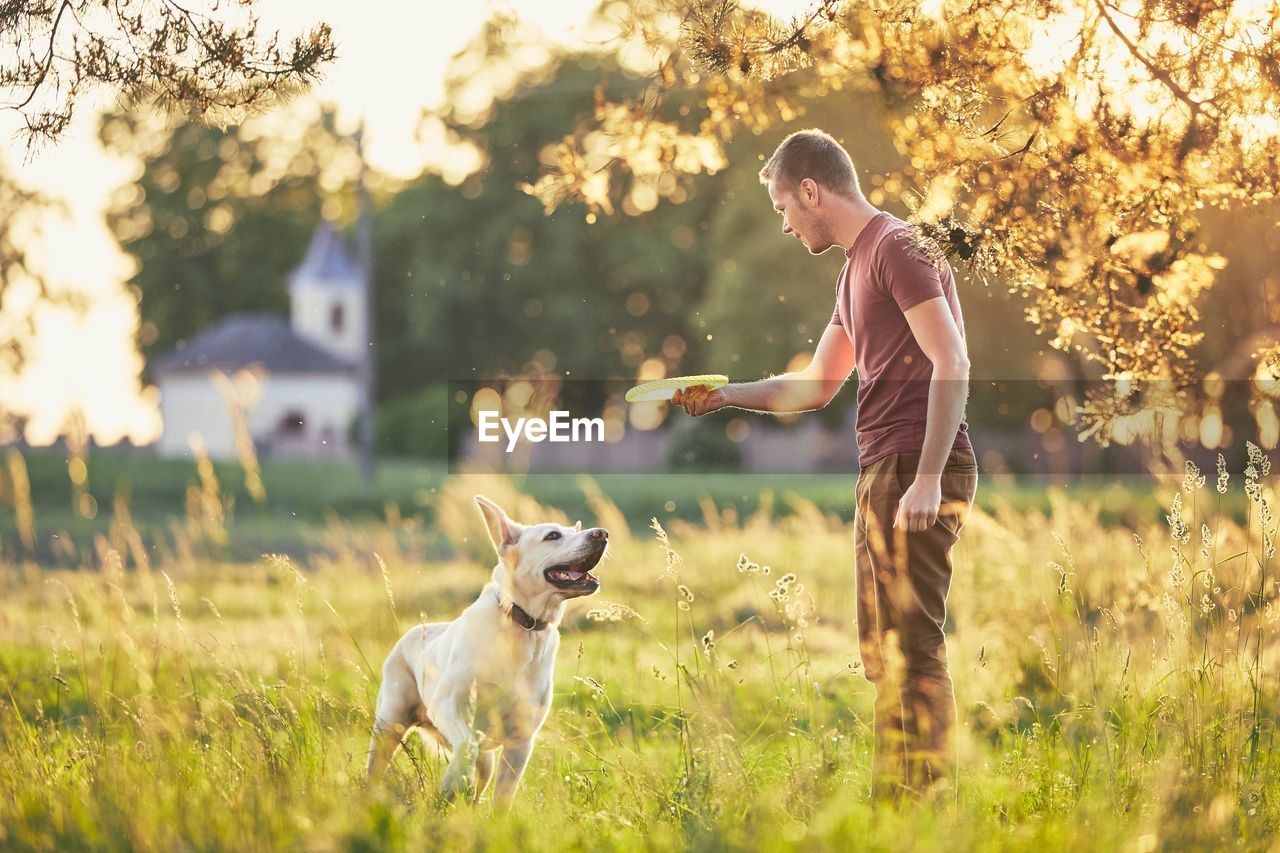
(851, 216)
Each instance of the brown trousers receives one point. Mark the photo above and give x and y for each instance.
(903, 579)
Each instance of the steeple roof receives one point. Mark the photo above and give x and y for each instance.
(328, 261)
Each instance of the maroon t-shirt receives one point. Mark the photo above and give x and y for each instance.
(883, 277)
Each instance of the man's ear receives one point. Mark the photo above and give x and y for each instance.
(808, 190)
(503, 532)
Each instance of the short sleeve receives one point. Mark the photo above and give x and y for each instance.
(906, 273)
(835, 312)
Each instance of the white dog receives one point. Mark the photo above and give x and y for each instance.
(483, 682)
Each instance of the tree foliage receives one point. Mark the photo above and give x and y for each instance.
(21, 211)
(484, 284)
(219, 216)
(1068, 150)
(472, 280)
(57, 52)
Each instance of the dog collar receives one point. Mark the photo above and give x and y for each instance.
(520, 616)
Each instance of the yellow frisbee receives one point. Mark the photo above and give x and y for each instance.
(665, 389)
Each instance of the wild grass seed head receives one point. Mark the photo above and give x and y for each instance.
(799, 609)
(1192, 479)
(612, 611)
(386, 580)
(173, 601)
(71, 602)
(1178, 528)
(1064, 578)
(1177, 577)
(782, 588)
(672, 568)
(1258, 458)
(597, 689)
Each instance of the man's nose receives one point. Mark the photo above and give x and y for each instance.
(597, 533)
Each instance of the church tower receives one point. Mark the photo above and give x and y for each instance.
(326, 295)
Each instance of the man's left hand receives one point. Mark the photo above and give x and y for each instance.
(918, 509)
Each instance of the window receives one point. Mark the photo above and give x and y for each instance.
(335, 317)
(293, 423)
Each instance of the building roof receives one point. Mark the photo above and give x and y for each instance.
(328, 261)
(240, 340)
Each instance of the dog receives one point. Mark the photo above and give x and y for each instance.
(483, 682)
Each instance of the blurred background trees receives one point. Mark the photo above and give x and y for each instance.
(219, 216)
(616, 228)
(1073, 152)
(20, 209)
(58, 59)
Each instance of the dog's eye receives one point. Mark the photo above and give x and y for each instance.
(555, 534)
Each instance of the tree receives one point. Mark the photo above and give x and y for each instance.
(20, 213)
(472, 281)
(480, 283)
(1066, 149)
(153, 52)
(216, 67)
(220, 216)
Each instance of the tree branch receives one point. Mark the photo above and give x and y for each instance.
(1160, 74)
(48, 59)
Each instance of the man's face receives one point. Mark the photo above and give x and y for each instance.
(801, 215)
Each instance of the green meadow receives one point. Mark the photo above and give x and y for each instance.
(192, 669)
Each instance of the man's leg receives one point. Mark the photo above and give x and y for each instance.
(879, 642)
(928, 697)
(903, 580)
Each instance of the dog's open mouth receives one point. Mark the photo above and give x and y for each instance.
(575, 575)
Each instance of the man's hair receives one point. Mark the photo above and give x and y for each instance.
(812, 154)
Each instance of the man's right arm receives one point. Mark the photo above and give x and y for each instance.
(801, 391)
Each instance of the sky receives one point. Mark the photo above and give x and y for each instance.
(87, 361)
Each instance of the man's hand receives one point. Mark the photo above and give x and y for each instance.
(699, 399)
(918, 509)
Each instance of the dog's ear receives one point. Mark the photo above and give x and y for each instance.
(503, 532)
(578, 526)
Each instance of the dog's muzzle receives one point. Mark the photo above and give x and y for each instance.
(576, 576)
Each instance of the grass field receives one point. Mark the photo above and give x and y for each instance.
(306, 500)
(1117, 682)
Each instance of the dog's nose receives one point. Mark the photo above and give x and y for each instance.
(598, 533)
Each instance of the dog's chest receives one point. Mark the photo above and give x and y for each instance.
(514, 685)
(511, 708)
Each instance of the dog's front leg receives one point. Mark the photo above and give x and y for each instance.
(393, 715)
(515, 755)
(484, 771)
(456, 722)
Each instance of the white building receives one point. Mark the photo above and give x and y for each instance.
(293, 384)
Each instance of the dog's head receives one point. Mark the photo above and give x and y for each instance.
(545, 558)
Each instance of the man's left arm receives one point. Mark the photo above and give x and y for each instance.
(936, 332)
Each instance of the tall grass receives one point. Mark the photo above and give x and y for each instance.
(1117, 687)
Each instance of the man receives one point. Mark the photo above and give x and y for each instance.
(897, 320)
